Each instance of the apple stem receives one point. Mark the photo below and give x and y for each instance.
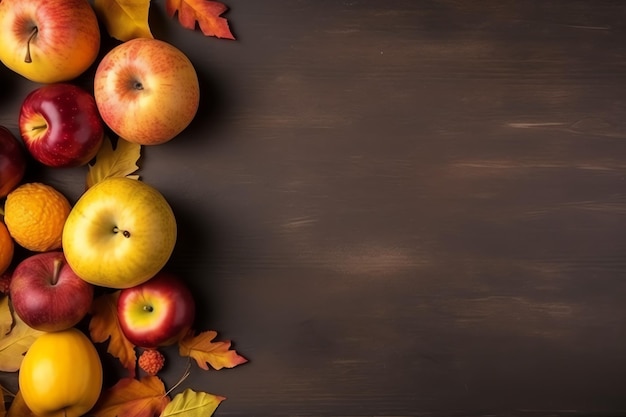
(126, 233)
(56, 270)
(149, 309)
(39, 127)
(28, 58)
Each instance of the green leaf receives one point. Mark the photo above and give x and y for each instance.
(192, 404)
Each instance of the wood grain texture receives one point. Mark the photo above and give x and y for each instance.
(404, 208)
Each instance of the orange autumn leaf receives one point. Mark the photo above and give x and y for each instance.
(202, 348)
(125, 19)
(130, 397)
(204, 13)
(104, 325)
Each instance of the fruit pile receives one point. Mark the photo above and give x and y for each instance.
(59, 301)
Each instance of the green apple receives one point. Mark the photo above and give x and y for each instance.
(119, 234)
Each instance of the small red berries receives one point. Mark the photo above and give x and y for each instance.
(151, 361)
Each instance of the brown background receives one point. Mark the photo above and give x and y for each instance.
(402, 208)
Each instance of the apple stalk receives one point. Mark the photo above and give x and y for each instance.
(56, 270)
(33, 33)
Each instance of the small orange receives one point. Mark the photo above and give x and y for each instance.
(6, 248)
(35, 214)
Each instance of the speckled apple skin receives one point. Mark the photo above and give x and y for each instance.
(66, 44)
(119, 234)
(147, 91)
(73, 130)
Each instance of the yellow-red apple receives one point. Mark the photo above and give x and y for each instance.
(156, 313)
(119, 234)
(146, 90)
(48, 41)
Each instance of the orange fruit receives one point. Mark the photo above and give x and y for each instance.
(35, 214)
(6, 248)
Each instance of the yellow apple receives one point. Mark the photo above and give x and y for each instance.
(61, 374)
(146, 90)
(48, 41)
(119, 234)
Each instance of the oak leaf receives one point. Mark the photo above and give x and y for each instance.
(130, 397)
(104, 325)
(125, 19)
(118, 162)
(190, 403)
(205, 13)
(14, 345)
(202, 348)
(3, 396)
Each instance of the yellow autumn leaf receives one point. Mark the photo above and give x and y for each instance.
(15, 344)
(6, 318)
(190, 403)
(118, 162)
(125, 19)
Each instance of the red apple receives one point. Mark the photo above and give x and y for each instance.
(146, 90)
(156, 313)
(48, 41)
(60, 125)
(12, 162)
(46, 293)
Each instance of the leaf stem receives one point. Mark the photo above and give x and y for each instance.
(182, 378)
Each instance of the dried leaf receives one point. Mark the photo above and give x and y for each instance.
(6, 318)
(3, 404)
(205, 13)
(18, 408)
(118, 162)
(192, 404)
(125, 19)
(14, 345)
(202, 348)
(104, 325)
(133, 397)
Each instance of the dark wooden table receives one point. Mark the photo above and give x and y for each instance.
(403, 208)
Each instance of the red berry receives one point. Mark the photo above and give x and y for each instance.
(151, 361)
